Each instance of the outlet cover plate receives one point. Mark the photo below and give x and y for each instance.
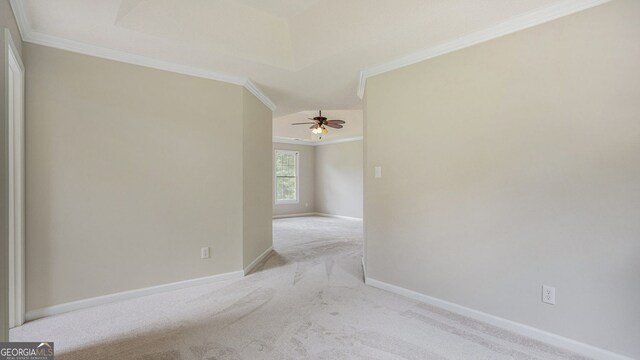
(548, 294)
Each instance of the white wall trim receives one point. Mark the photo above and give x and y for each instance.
(528, 331)
(14, 114)
(283, 216)
(337, 141)
(339, 217)
(316, 214)
(20, 13)
(249, 85)
(512, 25)
(131, 294)
(257, 261)
(35, 37)
(121, 56)
(286, 140)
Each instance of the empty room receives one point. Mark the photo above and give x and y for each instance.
(319, 179)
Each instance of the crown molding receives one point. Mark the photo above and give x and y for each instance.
(509, 26)
(35, 37)
(286, 140)
(337, 141)
(512, 25)
(249, 85)
(20, 14)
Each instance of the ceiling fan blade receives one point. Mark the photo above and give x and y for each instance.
(335, 126)
(313, 126)
(335, 121)
(306, 123)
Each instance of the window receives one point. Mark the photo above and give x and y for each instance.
(286, 164)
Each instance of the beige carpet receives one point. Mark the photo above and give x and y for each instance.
(307, 301)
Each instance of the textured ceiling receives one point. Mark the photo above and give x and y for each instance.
(303, 54)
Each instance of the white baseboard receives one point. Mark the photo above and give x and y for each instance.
(125, 295)
(528, 331)
(316, 214)
(339, 216)
(257, 261)
(292, 215)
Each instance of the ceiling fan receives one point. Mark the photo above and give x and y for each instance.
(320, 123)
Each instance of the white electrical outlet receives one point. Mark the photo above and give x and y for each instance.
(548, 295)
(204, 253)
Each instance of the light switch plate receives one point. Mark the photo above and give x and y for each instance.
(378, 171)
(204, 253)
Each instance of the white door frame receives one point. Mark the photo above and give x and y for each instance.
(14, 86)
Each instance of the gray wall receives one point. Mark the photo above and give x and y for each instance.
(307, 159)
(339, 179)
(6, 21)
(512, 164)
(130, 171)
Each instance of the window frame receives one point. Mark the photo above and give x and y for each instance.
(296, 155)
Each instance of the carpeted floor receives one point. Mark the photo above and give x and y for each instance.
(307, 301)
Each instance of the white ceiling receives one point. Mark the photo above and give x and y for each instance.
(303, 54)
(352, 129)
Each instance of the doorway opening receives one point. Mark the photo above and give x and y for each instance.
(318, 197)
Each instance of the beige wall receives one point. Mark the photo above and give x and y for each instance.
(6, 21)
(512, 164)
(339, 179)
(130, 171)
(257, 178)
(307, 158)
